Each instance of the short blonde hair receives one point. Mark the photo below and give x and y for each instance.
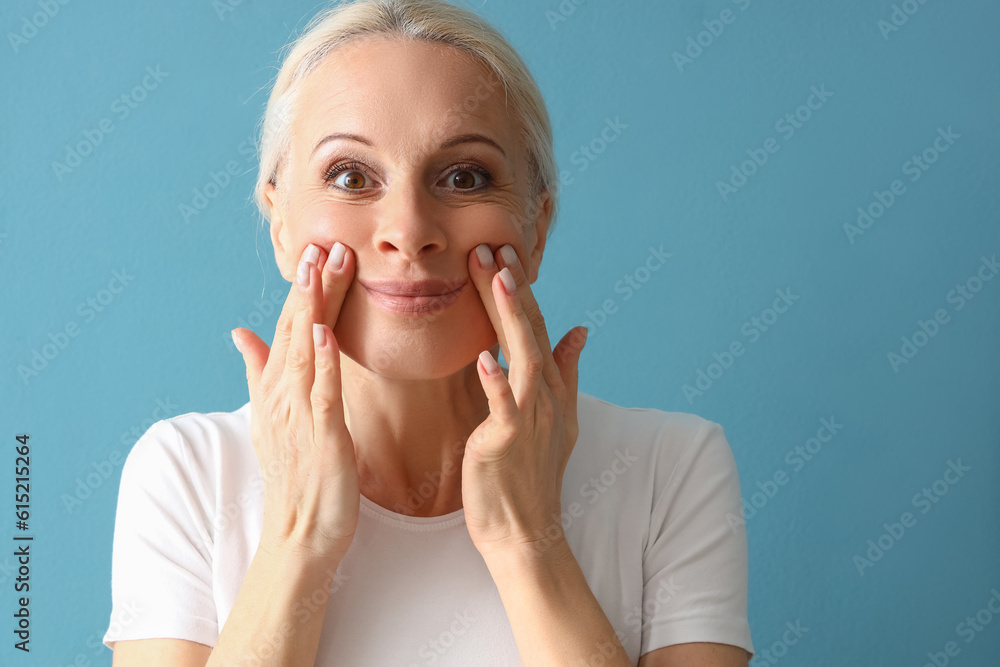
(426, 20)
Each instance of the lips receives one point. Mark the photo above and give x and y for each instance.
(421, 297)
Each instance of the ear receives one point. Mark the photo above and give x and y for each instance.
(279, 236)
(537, 234)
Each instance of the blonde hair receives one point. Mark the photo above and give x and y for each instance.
(426, 20)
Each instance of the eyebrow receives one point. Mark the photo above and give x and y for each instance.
(454, 141)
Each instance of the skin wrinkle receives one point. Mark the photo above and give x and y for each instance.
(411, 389)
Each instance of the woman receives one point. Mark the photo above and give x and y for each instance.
(390, 495)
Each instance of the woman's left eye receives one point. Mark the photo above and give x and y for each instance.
(464, 177)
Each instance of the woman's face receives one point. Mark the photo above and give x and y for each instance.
(383, 160)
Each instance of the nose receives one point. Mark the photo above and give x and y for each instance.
(408, 223)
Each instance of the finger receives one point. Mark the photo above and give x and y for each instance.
(567, 356)
(326, 396)
(525, 360)
(300, 362)
(503, 407)
(502, 404)
(482, 268)
(338, 274)
(509, 259)
(294, 302)
(254, 352)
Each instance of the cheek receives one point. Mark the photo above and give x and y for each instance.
(494, 230)
(326, 224)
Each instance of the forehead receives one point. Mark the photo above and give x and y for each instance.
(406, 95)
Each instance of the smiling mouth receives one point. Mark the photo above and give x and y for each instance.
(414, 298)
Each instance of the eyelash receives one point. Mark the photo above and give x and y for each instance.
(354, 165)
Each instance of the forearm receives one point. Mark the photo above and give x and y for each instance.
(554, 615)
(278, 614)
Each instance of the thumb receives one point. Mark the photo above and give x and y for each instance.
(567, 358)
(255, 353)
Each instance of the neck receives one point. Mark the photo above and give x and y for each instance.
(409, 436)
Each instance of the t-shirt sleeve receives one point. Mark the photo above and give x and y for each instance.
(695, 568)
(161, 569)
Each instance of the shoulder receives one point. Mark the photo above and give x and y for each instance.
(197, 446)
(200, 430)
(647, 461)
(666, 436)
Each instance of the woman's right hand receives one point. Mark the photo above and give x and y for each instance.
(306, 454)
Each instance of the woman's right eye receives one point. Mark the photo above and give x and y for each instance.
(353, 177)
(354, 180)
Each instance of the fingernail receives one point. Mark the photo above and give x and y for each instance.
(508, 254)
(508, 280)
(489, 363)
(319, 336)
(311, 253)
(236, 340)
(335, 262)
(302, 275)
(485, 256)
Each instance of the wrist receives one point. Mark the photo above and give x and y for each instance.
(294, 554)
(544, 555)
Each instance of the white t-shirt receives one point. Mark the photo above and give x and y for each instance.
(648, 500)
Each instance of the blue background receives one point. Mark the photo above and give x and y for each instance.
(161, 345)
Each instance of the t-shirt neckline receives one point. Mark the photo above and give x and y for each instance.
(414, 523)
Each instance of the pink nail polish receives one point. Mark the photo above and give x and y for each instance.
(335, 261)
(508, 281)
(485, 256)
(508, 254)
(489, 363)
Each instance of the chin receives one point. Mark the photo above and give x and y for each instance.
(411, 358)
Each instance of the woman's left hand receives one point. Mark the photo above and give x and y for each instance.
(514, 461)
